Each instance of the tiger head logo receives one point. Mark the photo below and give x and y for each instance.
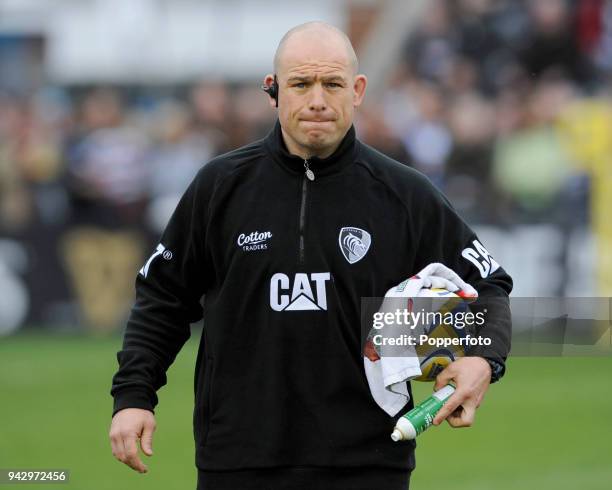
(354, 243)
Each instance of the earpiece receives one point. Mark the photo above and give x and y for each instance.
(272, 90)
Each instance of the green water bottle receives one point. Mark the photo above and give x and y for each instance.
(418, 419)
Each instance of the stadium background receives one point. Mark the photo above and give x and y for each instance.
(108, 108)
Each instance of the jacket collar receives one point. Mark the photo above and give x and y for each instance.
(341, 158)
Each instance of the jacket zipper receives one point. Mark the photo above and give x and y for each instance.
(308, 175)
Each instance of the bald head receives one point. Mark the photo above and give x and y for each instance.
(311, 32)
(318, 88)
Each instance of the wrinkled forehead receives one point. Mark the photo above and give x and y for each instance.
(312, 55)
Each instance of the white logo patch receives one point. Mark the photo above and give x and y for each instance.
(481, 258)
(160, 250)
(302, 295)
(354, 243)
(254, 241)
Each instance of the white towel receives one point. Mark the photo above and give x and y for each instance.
(387, 374)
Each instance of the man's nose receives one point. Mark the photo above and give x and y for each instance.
(317, 99)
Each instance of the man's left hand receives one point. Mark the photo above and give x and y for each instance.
(471, 376)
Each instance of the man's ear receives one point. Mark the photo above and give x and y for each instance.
(268, 81)
(359, 89)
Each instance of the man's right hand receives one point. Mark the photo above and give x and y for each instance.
(128, 426)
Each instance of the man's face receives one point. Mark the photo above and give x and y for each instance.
(318, 93)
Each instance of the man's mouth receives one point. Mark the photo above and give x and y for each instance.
(316, 121)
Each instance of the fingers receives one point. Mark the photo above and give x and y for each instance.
(440, 283)
(463, 290)
(458, 411)
(125, 450)
(117, 447)
(127, 427)
(455, 400)
(445, 376)
(471, 376)
(441, 271)
(131, 454)
(146, 440)
(463, 416)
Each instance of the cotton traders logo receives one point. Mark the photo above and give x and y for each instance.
(299, 294)
(354, 243)
(255, 241)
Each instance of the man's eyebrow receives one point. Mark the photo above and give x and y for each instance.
(299, 79)
(333, 78)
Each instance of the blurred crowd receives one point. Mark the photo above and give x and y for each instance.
(115, 157)
(484, 101)
(496, 102)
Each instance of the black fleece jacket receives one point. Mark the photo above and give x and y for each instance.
(283, 262)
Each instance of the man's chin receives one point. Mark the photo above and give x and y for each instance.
(317, 143)
(318, 138)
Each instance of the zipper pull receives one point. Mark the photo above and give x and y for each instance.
(309, 173)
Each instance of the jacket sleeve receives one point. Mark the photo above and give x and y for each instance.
(444, 237)
(169, 288)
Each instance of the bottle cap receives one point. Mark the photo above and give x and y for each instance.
(396, 435)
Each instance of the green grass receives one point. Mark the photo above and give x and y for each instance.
(545, 426)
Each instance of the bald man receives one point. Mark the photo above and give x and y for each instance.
(283, 238)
